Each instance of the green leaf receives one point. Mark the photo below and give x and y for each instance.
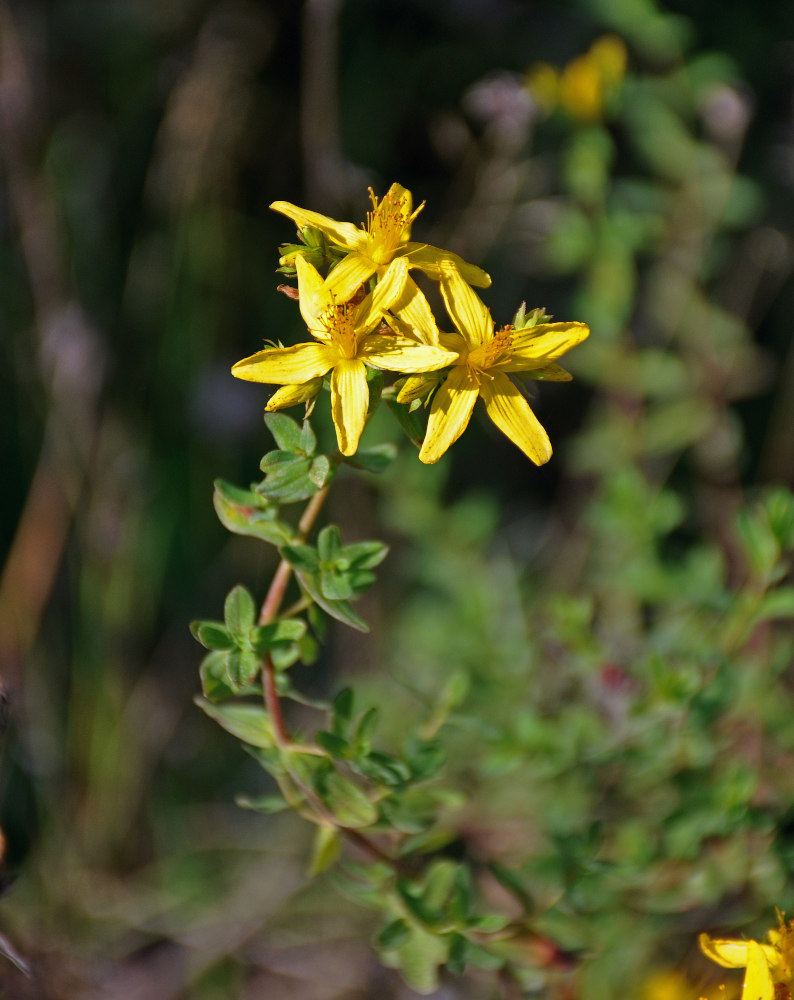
(393, 935)
(409, 423)
(342, 712)
(365, 555)
(326, 849)
(215, 681)
(340, 610)
(329, 543)
(287, 630)
(239, 612)
(211, 635)
(777, 604)
(418, 958)
(244, 512)
(424, 758)
(283, 656)
(337, 746)
(375, 384)
(263, 803)
(291, 476)
(439, 882)
(375, 459)
(336, 585)
(249, 723)
(759, 542)
(480, 958)
(366, 727)
(302, 558)
(382, 768)
(308, 440)
(244, 667)
(286, 432)
(349, 805)
(320, 471)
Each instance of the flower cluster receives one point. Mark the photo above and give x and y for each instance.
(368, 313)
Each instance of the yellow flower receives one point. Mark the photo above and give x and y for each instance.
(345, 341)
(380, 246)
(767, 965)
(484, 358)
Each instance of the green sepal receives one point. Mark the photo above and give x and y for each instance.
(211, 635)
(245, 512)
(374, 459)
(249, 723)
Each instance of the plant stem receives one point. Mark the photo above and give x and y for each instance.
(267, 614)
(270, 607)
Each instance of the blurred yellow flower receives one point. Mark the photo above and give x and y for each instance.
(583, 86)
(377, 248)
(344, 341)
(768, 966)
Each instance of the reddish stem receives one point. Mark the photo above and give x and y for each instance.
(269, 611)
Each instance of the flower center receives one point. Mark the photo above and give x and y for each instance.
(496, 349)
(339, 323)
(386, 224)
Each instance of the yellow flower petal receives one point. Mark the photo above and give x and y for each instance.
(344, 234)
(543, 344)
(311, 300)
(349, 403)
(449, 413)
(418, 386)
(387, 291)
(412, 315)
(394, 353)
(512, 415)
(467, 311)
(732, 953)
(292, 395)
(434, 262)
(348, 276)
(286, 365)
(758, 984)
